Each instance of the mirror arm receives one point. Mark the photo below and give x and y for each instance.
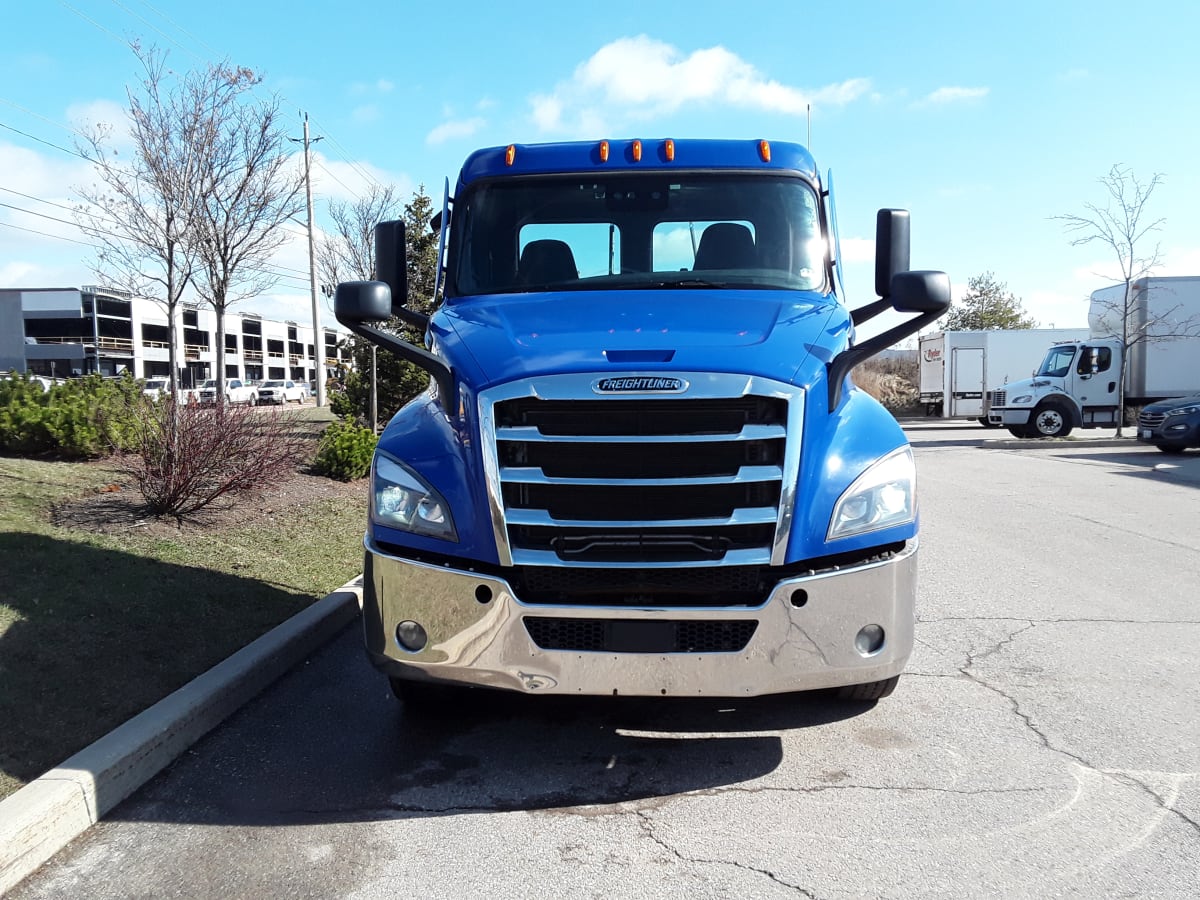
(441, 373)
(841, 365)
(870, 311)
(411, 317)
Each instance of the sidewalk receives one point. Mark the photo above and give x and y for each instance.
(51, 811)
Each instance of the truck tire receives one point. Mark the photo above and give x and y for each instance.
(429, 700)
(1020, 431)
(1051, 420)
(872, 690)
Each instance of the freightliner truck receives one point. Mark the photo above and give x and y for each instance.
(641, 466)
(1078, 383)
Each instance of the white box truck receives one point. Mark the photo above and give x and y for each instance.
(1077, 384)
(957, 368)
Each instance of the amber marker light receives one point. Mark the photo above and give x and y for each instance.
(764, 150)
(669, 150)
(604, 151)
(637, 151)
(510, 154)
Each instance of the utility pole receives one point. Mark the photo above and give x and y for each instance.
(318, 335)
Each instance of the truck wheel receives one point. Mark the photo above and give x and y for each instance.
(1020, 431)
(872, 690)
(428, 700)
(1051, 420)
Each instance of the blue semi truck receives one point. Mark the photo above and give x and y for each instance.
(641, 466)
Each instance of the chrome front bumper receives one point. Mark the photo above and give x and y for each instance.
(476, 634)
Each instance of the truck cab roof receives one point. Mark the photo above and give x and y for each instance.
(637, 155)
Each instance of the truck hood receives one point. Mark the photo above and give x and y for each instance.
(784, 335)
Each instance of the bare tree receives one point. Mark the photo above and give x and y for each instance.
(1122, 225)
(141, 215)
(348, 253)
(250, 189)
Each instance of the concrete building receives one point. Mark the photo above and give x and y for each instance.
(65, 332)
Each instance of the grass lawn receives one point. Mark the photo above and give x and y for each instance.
(98, 624)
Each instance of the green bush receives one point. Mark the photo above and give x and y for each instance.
(23, 404)
(80, 418)
(345, 451)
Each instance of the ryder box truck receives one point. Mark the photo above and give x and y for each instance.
(958, 368)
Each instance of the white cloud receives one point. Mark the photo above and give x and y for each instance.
(945, 95)
(105, 116)
(365, 114)
(379, 86)
(340, 180)
(454, 129)
(640, 77)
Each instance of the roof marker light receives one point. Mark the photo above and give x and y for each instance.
(764, 150)
(604, 151)
(669, 150)
(637, 151)
(510, 154)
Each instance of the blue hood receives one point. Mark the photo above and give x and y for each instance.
(783, 335)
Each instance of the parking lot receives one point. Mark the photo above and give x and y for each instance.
(1043, 742)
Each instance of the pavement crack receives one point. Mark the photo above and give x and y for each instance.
(1043, 738)
(647, 825)
(1058, 621)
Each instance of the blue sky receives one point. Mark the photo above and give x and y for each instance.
(984, 119)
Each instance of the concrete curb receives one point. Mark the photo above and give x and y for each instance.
(1058, 443)
(45, 815)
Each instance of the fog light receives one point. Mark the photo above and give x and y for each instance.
(869, 640)
(411, 636)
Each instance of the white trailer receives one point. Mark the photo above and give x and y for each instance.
(957, 368)
(1077, 384)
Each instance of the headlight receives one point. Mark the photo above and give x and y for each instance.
(1024, 398)
(880, 497)
(402, 499)
(1184, 411)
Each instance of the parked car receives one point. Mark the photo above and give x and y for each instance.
(236, 391)
(156, 388)
(280, 391)
(1171, 425)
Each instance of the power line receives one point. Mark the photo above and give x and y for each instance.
(42, 141)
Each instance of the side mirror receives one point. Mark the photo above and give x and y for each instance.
(891, 258)
(390, 267)
(920, 292)
(891, 247)
(356, 302)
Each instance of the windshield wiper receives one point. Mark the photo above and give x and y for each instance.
(687, 283)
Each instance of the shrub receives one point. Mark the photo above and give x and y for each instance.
(83, 417)
(185, 456)
(345, 451)
(893, 382)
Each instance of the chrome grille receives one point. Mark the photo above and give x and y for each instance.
(999, 398)
(578, 479)
(1151, 419)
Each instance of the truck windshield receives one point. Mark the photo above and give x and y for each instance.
(655, 230)
(1058, 361)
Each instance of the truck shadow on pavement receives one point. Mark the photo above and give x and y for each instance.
(328, 743)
